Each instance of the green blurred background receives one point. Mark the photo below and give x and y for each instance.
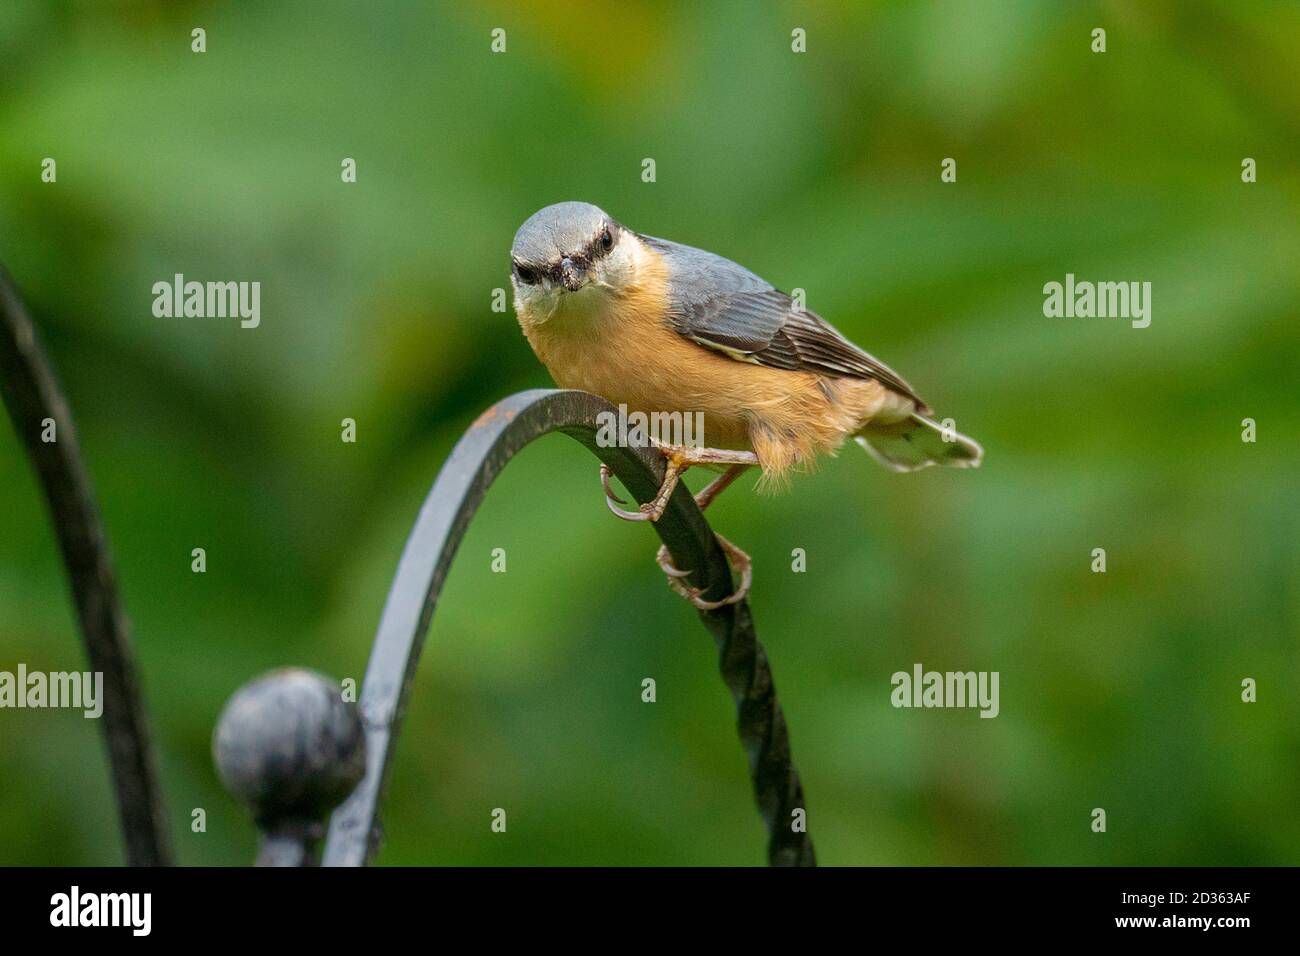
(821, 171)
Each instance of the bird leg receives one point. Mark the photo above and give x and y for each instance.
(738, 559)
(718, 485)
(680, 458)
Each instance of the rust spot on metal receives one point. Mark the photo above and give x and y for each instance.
(490, 415)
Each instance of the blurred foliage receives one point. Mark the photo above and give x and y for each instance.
(819, 171)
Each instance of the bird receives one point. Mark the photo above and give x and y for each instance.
(663, 328)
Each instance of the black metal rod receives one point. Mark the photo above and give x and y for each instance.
(474, 463)
(32, 396)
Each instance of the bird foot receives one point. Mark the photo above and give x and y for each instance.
(612, 501)
(680, 458)
(739, 561)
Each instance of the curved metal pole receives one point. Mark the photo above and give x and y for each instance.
(32, 396)
(476, 460)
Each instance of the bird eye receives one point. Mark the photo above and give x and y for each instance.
(526, 275)
(606, 239)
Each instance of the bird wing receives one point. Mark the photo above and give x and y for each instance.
(725, 307)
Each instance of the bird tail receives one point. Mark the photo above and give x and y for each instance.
(916, 442)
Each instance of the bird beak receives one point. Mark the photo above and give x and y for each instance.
(572, 274)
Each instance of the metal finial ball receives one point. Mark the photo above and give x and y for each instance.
(289, 746)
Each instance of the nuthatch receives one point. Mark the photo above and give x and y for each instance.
(664, 328)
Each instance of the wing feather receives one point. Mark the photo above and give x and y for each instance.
(725, 307)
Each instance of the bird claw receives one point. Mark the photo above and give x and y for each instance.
(737, 559)
(612, 501)
(604, 483)
(651, 510)
(678, 461)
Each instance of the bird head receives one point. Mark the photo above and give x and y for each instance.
(568, 251)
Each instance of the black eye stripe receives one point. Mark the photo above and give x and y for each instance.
(596, 248)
